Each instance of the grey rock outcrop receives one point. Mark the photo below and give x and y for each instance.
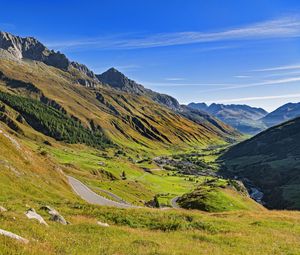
(32, 214)
(30, 48)
(54, 215)
(13, 236)
(84, 69)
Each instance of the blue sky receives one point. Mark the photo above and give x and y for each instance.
(233, 51)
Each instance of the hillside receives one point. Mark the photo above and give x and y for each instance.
(119, 81)
(270, 161)
(283, 113)
(123, 117)
(218, 195)
(244, 118)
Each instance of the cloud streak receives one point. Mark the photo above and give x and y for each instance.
(226, 86)
(7, 26)
(243, 99)
(279, 68)
(174, 79)
(286, 27)
(257, 84)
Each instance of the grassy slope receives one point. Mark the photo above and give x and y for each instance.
(114, 111)
(155, 232)
(217, 195)
(271, 161)
(142, 231)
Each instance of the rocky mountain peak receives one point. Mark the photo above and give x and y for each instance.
(118, 80)
(30, 48)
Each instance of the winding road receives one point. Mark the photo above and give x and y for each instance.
(91, 197)
(174, 202)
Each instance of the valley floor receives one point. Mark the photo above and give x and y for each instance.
(33, 175)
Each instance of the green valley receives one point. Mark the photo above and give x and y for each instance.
(99, 164)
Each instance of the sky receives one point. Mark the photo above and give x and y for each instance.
(231, 52)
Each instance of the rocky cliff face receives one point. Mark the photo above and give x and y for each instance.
(30, 48)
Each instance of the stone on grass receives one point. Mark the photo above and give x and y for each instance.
(102, 224)
(13, 236)
(2, 209)
(55, 216)
(32, 214)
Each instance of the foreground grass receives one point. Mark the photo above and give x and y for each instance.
(146, 231)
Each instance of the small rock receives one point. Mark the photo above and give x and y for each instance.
(55, 216)
(102, 224)
(2, 209)
(14, 236)
(31, 214)
(101, 163)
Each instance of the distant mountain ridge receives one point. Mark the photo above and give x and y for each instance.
(247, 119)
(284, 113)
(244, 118)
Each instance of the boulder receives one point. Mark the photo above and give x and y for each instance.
(2, 209)
(32, 214)
(13, 236)
(54, 215)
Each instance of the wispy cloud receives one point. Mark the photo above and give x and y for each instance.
(257, 84)
(129, 67)
(242, 76)
(7, 26)
(123, 68)
(296, 72)
(279, 68)
(243, 99)
(285, 27)
(173, 84)
(224, 86)
(174, 79)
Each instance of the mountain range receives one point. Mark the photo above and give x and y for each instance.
(283, 113)
(110, 101)
(247, 119)
(244, 118)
